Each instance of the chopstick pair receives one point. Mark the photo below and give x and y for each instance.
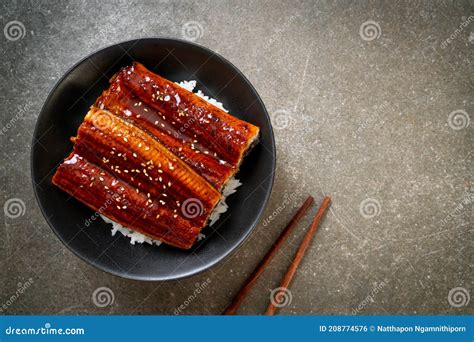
(288, 277)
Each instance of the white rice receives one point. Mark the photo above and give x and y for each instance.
(188, 85)
(191, 85)
(220, 208)
(134, 236)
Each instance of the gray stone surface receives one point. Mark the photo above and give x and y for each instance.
(377, 119)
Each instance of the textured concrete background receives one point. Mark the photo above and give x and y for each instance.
(371, 103)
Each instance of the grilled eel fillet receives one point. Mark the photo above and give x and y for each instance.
(122, 172)
(212, 142)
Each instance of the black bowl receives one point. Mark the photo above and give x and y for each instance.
(90, 237)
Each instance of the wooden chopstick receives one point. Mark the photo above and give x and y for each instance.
(288, 277)
(239, 298)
